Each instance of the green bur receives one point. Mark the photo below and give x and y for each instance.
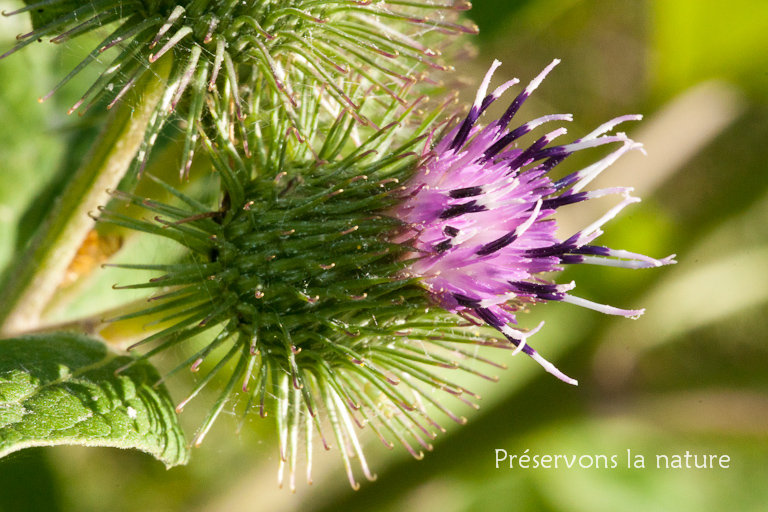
(310, 298)
(222, 49)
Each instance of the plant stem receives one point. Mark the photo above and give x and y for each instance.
(36, 273)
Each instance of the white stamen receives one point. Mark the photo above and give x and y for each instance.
(609, 215)
(512, 333)
(602, 308)
(503, 87)
(633, 261)
(520, 335)
(486, 303)
(522, 228)
(588, 238)
(530, 125)
(549, 367)
(537, 81)
(555, 134)
(594, 194)
(481, 92)
(593, 143)
(594, 170)
(610, 125)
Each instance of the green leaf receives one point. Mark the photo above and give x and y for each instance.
(61, 388)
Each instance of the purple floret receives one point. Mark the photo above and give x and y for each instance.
(481, 212)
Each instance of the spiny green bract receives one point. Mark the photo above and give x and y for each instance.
(233, 46)
(305, 293)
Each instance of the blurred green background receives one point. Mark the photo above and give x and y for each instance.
(690, 375)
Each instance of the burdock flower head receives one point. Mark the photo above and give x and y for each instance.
(319, 272)
(480, 212)
(226, 52)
